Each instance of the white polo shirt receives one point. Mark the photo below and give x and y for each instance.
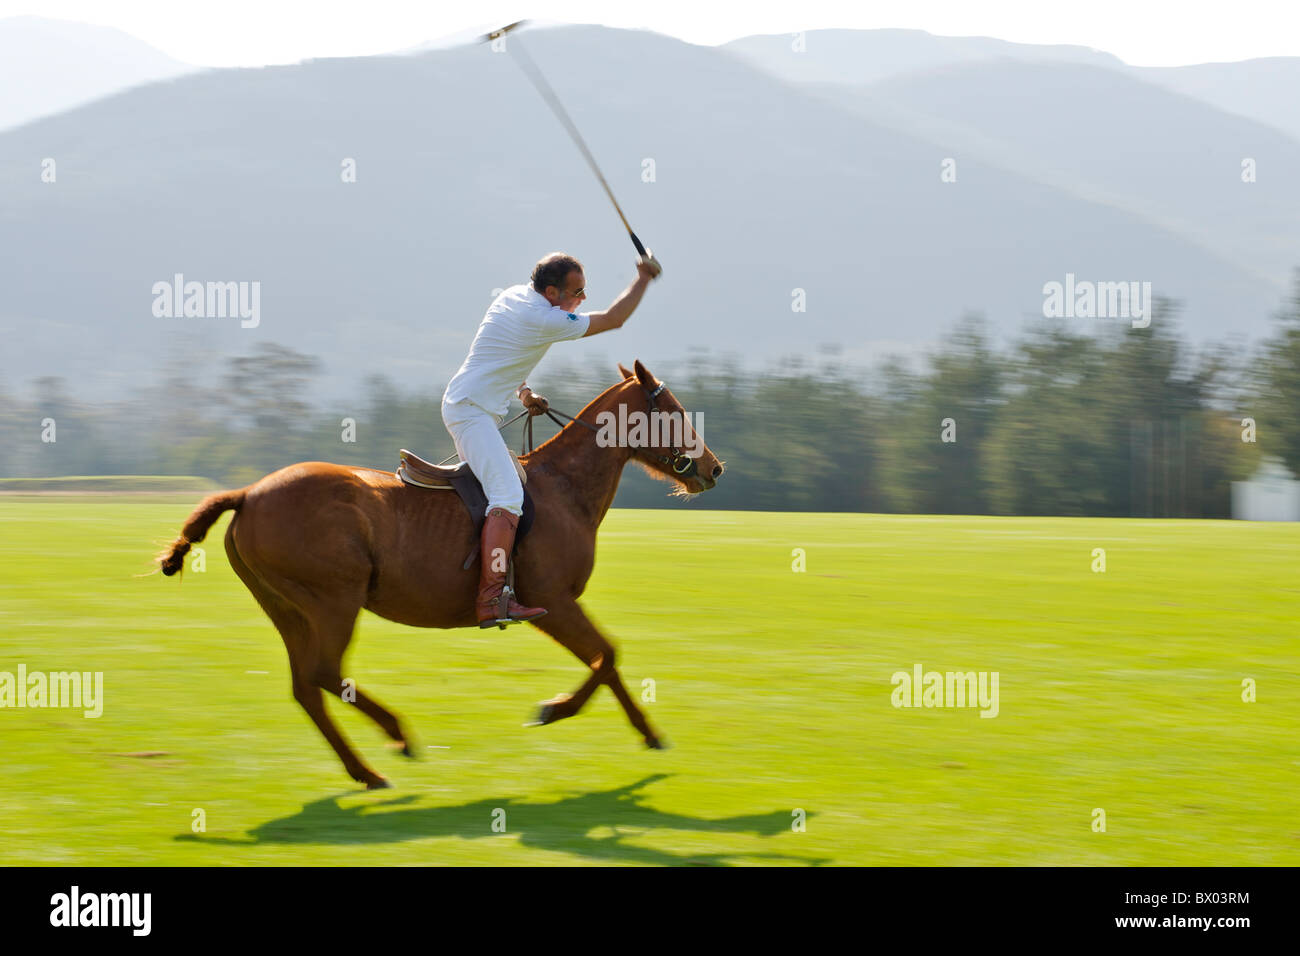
(514, 335)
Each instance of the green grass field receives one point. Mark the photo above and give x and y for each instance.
(1119, 690)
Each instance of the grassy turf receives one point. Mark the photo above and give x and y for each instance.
(1118, 690)
(108, 484)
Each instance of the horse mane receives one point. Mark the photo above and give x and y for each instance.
(677, 490)
(567, 425)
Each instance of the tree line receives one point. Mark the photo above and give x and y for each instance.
(1127, 422)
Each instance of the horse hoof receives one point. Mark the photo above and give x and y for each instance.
(379, 783)
(657, 743)
(548, 710)
(402, 747)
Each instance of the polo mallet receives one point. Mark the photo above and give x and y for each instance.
(544, 89)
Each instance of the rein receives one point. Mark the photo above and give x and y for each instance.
(681, 463)
(527, 447)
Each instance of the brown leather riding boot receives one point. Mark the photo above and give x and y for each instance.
(496, 602)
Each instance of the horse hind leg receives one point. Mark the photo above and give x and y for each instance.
(329, 676)
(315, 667)
(388, 722)
(571, 628)
(302, 641)
(311, 674)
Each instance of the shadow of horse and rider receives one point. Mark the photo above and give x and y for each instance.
(567, 825)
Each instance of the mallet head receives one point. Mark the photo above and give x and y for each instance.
(497, 34)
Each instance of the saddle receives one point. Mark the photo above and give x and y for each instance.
(417, 472)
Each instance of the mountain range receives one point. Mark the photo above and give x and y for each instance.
(888, 190)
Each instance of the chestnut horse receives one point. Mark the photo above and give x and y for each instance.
(317, 542)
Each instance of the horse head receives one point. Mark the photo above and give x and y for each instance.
(669, 445)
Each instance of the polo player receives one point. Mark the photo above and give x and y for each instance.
(520, 325)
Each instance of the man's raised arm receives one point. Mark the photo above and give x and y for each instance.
(625, 304)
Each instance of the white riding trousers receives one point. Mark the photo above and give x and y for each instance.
(477, 435)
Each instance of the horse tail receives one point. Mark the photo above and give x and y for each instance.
(197, 525)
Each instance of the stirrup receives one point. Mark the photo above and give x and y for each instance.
(503, 617)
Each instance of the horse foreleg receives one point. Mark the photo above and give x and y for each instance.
(571, 628)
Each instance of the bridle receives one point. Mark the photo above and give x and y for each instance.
(682, 464)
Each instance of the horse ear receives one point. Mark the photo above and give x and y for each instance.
(643, 374)
(627, 373)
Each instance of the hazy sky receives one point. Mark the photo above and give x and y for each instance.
(254, 32)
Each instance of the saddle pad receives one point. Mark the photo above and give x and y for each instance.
(470, 491)
(475, 499)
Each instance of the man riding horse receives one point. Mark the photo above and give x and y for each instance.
(520, 325)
